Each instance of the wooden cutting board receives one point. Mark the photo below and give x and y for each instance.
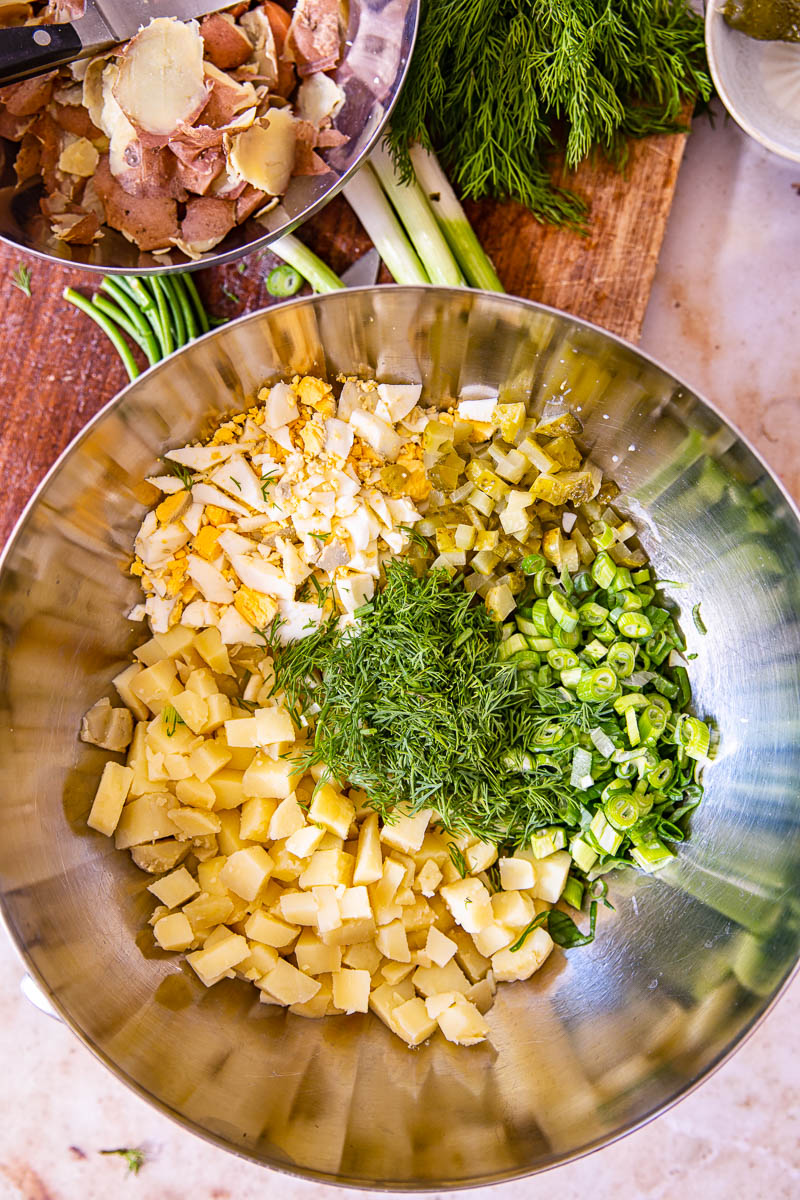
(57, 368)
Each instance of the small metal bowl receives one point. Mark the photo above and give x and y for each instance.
(757, 82)
(377, 51)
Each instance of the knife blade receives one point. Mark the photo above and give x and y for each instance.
(27, 50)
(364, 271)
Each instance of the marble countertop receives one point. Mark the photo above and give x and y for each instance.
(724, 315)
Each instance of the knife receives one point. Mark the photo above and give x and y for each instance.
(27, 50)
(364, 271)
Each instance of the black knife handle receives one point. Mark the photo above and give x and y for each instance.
(27, 50)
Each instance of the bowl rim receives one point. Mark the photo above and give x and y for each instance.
(263, 242)
(713, 21)
(397, 1187)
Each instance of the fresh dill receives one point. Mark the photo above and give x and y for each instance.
(183, 473)
(415, 537)
(236, 482)
(21, 279)
(458, 860)
(495, 86)
(321, 537)
(134, 1157)
(266, 480)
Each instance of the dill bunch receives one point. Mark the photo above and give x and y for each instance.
(497, 86)
(415, 708)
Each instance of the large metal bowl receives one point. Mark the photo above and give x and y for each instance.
(378, 41)
(604, 1037)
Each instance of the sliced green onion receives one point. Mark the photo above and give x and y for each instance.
(310, 265)
(561, 659)
(597, 685)
(632, 726)
(694, 736)
(573, 892)
(593, 614)
(284, 281)
(621, 658)
(581, 775)
(562, 611)
(602, 742)
(634, 625)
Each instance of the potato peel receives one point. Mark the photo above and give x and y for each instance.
(264, 154)
(162, 82)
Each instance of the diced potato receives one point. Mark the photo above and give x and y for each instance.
(314, 957)
(227, 787)
(270, 930)
(463, 1024)
(439, 948)
(350, 933)
(192, 710)
(450, 978)
(229, 837)
(517, 872)
(212, 962)
(261, 960)
(493, 937)
(122, 683)
(173, 932)
(332, 810)
(145, 820)
(418, 915)
(206, 910)
(328, 866)
(288, 985)
(351, 990)
(246, 872)
(428, 878)
(407, 833)
(257, 814)
(202, 683)
(331, 841)
(273, 778)
(299, 908)
(369, 859)
(328, 915)
(393, 943)
(209, 758)
(442, 916)
(160, 856)
(110, 797)
(288, 867)
(468, 957)
(520, 964)
(155, 686)
(551, 876)
(411, 1021)
(208, 875)
(208, 645)
(305, 841)
(219, 711)
(137, 761)
(364, 956)
(175, 889)
(194, 822)
(195, 793)
(354, 904)
(469, 902)
(512, 909)
(384, 891)
(385, 999)
(434, 1005)
(481, 994)
(480, 856)
(319, 1005)
(393, 972)
(287, 819)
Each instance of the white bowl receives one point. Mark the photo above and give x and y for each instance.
(758, 82)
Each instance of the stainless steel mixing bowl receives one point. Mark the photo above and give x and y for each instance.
(603, 1037)
(379, 39)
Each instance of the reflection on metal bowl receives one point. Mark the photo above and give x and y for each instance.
(378, 42)
(603, 1037)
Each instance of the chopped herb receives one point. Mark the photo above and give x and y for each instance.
(236, 481)
(265, 481)
(226, 291)
(415, 537)
(458, 860)
(321, 537)
(171, 719)
(183, 473)
(493, 877)
(562, 929)
(135, 1158)
(21, 279)
(242, 267)
(699, 624)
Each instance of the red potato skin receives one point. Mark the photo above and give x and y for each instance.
(197, 169)
(75, 119)
(13, 128)
(207, 217)
(29, 96)
(226, 46)
(151, 222)
(314, 35)
(279, 22)
(249, 202)
(28, 162)
(151, 173)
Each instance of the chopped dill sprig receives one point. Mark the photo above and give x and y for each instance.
(21, 279)
(183, 473)
(133, 1156)
(172, 719)
(458, 860)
